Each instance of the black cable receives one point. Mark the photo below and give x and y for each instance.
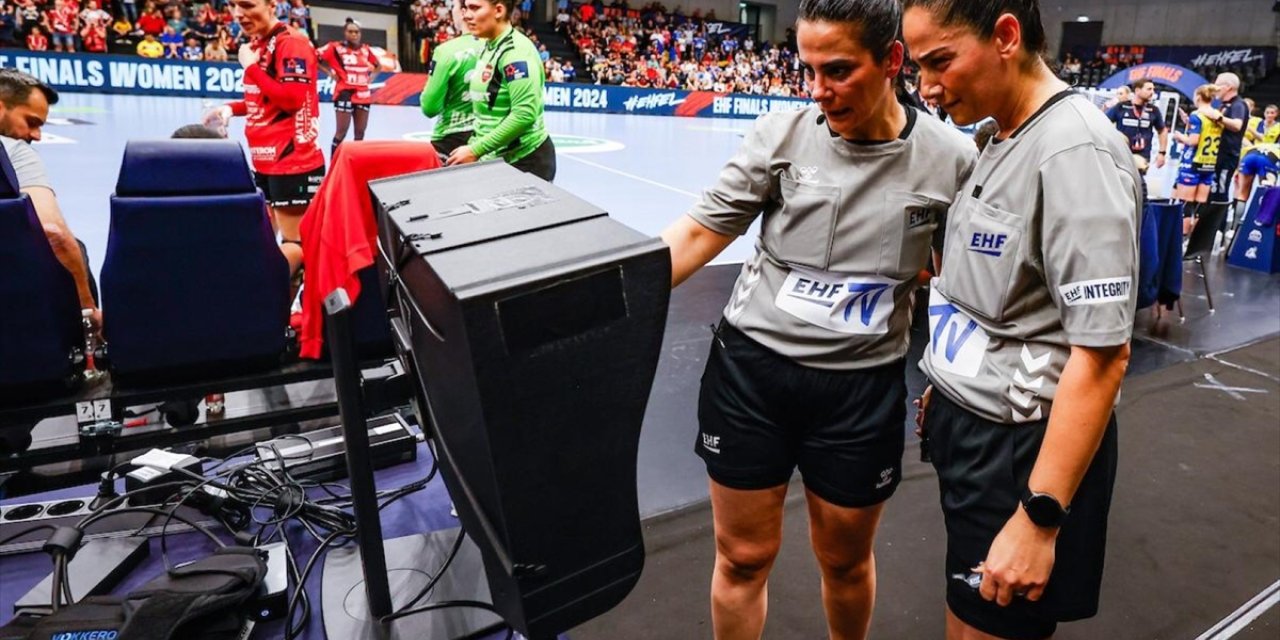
(66, 580)
(298, 584)
(195, 525)
(25, 532)
(302, 579)
(436, 606)
(55, 598)
(431, 584)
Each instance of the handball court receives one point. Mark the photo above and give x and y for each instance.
(1194, 541)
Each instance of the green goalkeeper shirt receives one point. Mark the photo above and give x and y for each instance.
(446, 96)
(506, 96)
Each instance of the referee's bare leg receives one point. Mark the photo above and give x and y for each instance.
(842, 540)
(748, 529)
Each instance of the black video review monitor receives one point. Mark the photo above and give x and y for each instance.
(533, 323)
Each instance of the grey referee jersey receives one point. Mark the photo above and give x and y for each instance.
(846, 229)
(1041, 254)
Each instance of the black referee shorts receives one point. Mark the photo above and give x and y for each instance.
(762, 415)
(983, 468)
(291, 190)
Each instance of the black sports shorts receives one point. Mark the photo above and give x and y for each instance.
(291, 190)
(343, 102)
(762, 415)
(540, 162)
(983, 467)
(1221, 190)
(444, 146)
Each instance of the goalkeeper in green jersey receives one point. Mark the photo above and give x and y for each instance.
(447, 94)
(506, 94)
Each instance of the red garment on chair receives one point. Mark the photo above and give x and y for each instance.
(339, 230)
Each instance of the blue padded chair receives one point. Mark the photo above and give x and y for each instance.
(193, 282)
(41, 338)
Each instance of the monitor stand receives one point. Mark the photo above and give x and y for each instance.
(411, 562)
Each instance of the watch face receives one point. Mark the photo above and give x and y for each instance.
(1043, 510)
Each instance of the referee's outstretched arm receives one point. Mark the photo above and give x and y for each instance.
(692, 247)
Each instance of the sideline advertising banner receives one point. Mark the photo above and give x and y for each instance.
(1192, 56)
(98, 73)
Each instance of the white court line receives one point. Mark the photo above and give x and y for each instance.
(628, 175)
(1245, 369)
(1231, 391)
(1242, 617)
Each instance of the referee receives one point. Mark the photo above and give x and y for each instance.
(806, 369)
(446, 96)
(1030, 321)
(506, 94)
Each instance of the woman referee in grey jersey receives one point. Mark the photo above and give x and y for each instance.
(806, 369)
(1030, 320)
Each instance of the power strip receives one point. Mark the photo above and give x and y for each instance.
(324, 455)
(68, 512)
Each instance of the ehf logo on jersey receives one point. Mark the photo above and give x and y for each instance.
(919, 217)
(516, 70)
(1101, 291)
(956, 343)
(295, 66)
(988, 244)
(842, 303)
(711, 443)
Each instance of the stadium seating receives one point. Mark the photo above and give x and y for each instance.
(193, 282)
(41, 339)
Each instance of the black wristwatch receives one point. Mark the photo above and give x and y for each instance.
(1044, 509)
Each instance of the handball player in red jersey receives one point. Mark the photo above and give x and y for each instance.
(352, 65)
(282, 114)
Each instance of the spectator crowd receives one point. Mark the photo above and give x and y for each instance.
(646, 47)
(654, 47)
(178, 29)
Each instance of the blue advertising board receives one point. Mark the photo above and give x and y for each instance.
(95, 73)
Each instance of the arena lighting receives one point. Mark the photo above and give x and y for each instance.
(1082, 18)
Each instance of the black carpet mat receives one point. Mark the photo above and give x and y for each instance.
(1194, 533)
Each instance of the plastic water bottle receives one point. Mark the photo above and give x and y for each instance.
(91, 372)
(215, 404)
